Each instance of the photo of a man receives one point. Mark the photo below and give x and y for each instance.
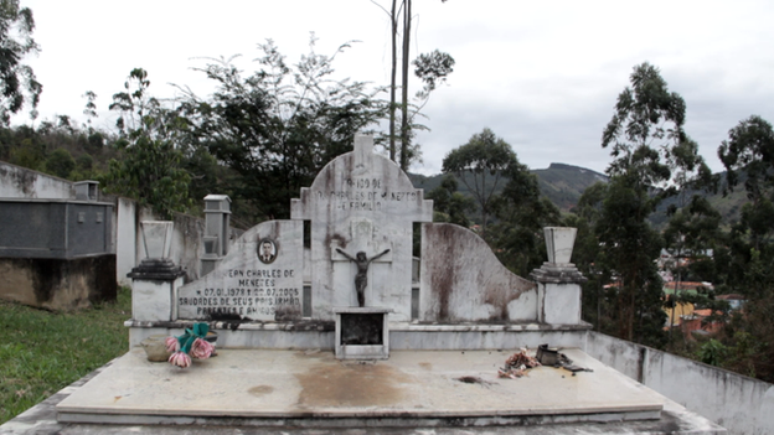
(267, 251)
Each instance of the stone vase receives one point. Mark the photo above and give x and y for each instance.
(156, 348)
(559, 243)
(157, 238)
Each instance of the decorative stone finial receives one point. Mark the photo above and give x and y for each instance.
(559, 243)
(558, 269)
(157, 236)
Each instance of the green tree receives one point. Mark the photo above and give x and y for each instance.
(747, 154)
(433, 69)
(278, 126)
(712, 352)
(151, 168)
(750, 150)
(91, 108)
(586, 255)
(60, 163)
(748, 269)
(141, 114)
(690, 233)
(482, 164)
(518, 235)
(693, 223)
(629, 248)
(151, 172)
(84, 168)
(449, 205)
(648, 145)
(16, 78)
(96, 141)
(30, 154)
(430, 68)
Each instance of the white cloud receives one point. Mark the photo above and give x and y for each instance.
(542, 75)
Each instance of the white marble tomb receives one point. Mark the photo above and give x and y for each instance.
(363, 202)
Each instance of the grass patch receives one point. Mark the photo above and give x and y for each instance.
(42, 352)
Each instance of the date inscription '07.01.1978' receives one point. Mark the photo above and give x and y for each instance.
(259, 292)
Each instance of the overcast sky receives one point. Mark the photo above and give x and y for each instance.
(544, 75)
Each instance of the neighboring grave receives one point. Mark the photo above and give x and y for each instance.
(57, 254)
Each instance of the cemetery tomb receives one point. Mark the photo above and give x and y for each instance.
(353, 329)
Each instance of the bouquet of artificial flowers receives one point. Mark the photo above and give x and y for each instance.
(190, 344)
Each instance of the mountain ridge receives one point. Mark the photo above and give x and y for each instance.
(562, 183)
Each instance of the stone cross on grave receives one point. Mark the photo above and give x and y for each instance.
(361, 202)
(365, 248)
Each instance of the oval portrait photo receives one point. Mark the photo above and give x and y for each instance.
(267, 251)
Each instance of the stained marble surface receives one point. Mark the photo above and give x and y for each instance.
(274, 383)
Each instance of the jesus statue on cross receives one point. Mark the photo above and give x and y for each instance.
(361, 278)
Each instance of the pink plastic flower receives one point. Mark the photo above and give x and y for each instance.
(201, 349)
(172, 344)
(180, 359)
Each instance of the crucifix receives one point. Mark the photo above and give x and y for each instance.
(361, 278)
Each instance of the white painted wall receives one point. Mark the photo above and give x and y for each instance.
(741, 404)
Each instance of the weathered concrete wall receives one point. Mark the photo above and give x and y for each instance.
(58, 284)
(187, 243)
(54, 228)
(126, 236)
(18, 182)
(741, 404)
(462, 280)
(479, 337)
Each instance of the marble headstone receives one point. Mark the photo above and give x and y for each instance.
(261, 278)
(361, 202)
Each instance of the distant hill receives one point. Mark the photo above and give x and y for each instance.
(729, 206)
(563, 184)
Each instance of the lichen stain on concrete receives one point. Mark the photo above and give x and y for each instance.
(351, 385)
(24, 180)
(499, 296)
(261, 390)
(442, 266)
(329, 238)
(493, 284)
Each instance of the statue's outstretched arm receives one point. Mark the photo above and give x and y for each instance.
(382, 254)
(345, 254)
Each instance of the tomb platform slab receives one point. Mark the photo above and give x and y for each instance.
(270, 388)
